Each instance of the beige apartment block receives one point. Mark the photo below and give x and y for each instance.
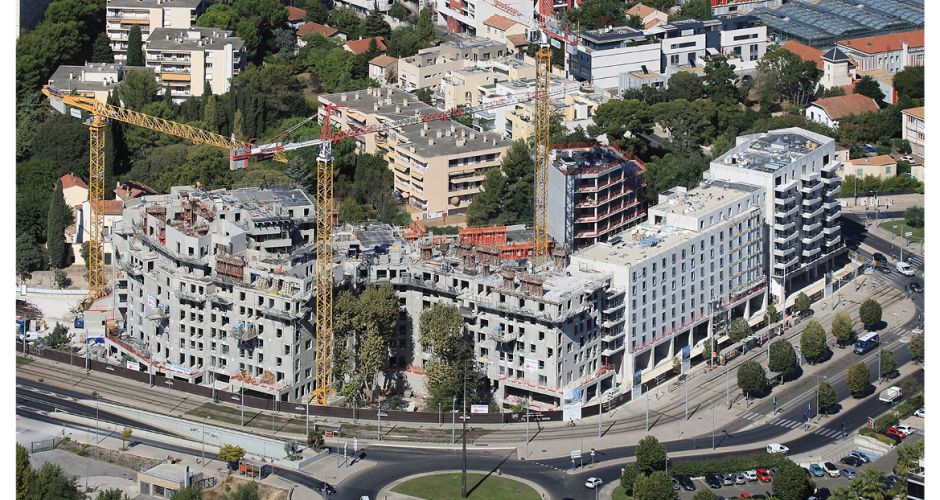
(912, 129)
(185, 60)
(95, 80)
(464, 87)
(426, 68)
(576, 110)
(438, 165)
(121, 15)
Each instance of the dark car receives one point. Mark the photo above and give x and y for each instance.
(686, 483)
(822, 493)
(879, 258)
(853, 461)
(891, 479)
(916, 287)
(712, 481)
(806, 471)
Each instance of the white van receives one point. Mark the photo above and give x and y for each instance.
(904, 268)
(777, 448)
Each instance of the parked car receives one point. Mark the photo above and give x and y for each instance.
(860, 455)
(907, 158)
(880, 258)
(751, 475)
(807, 472)
(817, 470)
(891, 479)
(777, 448)
(822, 493)
(593, 482)
(916, 287)
(852, 460)
(675, 484)
(905, 429)
(686, 483)
(713, 481)
(727, 479)
(740, 478)
(904, 268)
(919, 413)
(763, 476)
(848, 473)
(832, 470)
(895, 433)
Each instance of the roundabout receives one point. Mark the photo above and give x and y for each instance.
(480, 484)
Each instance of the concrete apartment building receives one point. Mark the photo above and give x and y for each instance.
(912, 129)
(185, 60)
(892, 52)
(468, 16)
(699, 256)
(731, 8)
(495, 118)
(121, 15)
(605, 54)
(576, 110)
(438, 166)
(799, 172)
(426, 68)
(594, 192)
(95, 80)
(465, 86)
(215, 287)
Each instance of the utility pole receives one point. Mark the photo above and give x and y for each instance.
(600, 415)
(307, 418)
(686, 397)
(647, 411)
(463, 481)
(880, 352)
(242, 389)
(378, 415)
(439, 421)
(727, 387)
(453, 422)
(713, 427)
(527, 428)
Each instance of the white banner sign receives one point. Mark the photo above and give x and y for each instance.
(479, 408)
(531, 364)
(133, 365)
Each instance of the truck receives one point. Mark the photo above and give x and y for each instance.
(891, 395)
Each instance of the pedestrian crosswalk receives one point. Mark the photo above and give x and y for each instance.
(786, 422)
(915, 260)
(754, 417)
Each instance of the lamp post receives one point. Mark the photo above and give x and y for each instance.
(453, 422)
(713, 427)
(242, 389)
(97, 399)
(463, 418)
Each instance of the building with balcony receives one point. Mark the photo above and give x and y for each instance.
(121, 15)
(217, 287)
(696, 261)
(439, 166)
(798, 170)
(912, 130)
(594, 192)
(494, 118)
(366, 6)
(187, 60)
(731, 8)
(95, 80)
(466, 86)
(468, 17)
(605, 55)
(426, 68)
(576, 110)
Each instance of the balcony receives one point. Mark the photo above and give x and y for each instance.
(784, 264)
(784, 199)
(811, 227)
(832, 229)
(810, 177)
(812, 214)
(809, 240)
(809, 253)
(189, 297)
(783, 251)
(834, 188)
(811, 188)
(832, 205)
(782, 238)
(833, 216)
(244, 331)
(786, 212)
(833, 243)
(808, 202)
(784, 226)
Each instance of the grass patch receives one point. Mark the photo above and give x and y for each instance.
(448, 486)
(23, 360)
(899, 227)
(619, 494)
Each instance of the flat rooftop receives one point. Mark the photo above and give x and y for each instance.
(149, 4)
(771, 151)
(636, 244)
(590, 159)
(703, 199)
(192, 39)
(613, 34)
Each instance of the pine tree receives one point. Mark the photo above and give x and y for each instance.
(101, 51)
(375, 24)
(57, 220)
(298, 171)
(135, 48)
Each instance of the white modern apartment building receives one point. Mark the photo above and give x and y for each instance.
(186, 60)
(699, 255)
(495, 118)
(215, 287)
(730, 8)
(468, 16)
(121, 15)
(604, 55)
(798, 171)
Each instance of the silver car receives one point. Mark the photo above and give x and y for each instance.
(727, 479)
(740, 478)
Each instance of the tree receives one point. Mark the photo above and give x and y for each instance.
(58, 338)
(914, 216)
(61, 279)
(283, 42)
(842, 328)
(245, 491)
(375, 25)
(813, 340)
(870, 313)
(802, 303)
(220, 15)
(299, 171)
(138, 89)
(781, 74)
(858, 378)
(623, 120)
(720, 79)
(441, 330)
(51, 482)
(689, 124)
(751, 377)
(101, 52)
(231, 453)
(24, 473)
(655, 486)
(117, 494)
(909, 82)
(628, 478)
(909, 454)
(827, 397)
(672, 170)
(771, 316)
(59, 217)
(916, 346)
(135, 48)
(888, 364)
(29, 255)
(346, 20)
(705, 495)
(685, 85)
(594, 14)
(694, 9)
(291, 449)
(315, 440)
(868, 87)
(790, 483)
(125, 435)
(398, 11)
(711, 346)
(188, 493)
(650, 454)
(782, 356)
(507, 195)
(738, 329)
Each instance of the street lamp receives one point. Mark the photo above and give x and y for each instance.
(97, 399)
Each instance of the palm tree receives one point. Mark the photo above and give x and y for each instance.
(844, 493)
(870, 484)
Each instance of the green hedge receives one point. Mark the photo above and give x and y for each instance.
(907, 408)
(885, 421)
(735, 463)
(865, 431)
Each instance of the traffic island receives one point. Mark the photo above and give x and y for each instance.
(481, 485)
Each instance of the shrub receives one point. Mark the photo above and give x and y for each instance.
(865, 431)
(696, 468)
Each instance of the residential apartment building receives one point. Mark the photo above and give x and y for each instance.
(699, 256)
(605, 55)
(186, 60)
(912, 129)
(594, 192)
(576, 110)
(215, 287)
(468, 16)
(798, 171)
(149, 15)
(495, 118)
(426, 68)
(892, 52)
(881, 166)
(438, 166)
(466, 86)
(365, 6)
(731, 8)
(506, 31)
(95, 80)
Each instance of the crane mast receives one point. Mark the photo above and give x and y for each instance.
(324, 269)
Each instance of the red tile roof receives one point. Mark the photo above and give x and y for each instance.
(915, 112)
(361, 46)
(71, 180)
(132, 189)
(294, 14)
(805, 52)
(517, 40)
(113, 207)
(383, 61)
(499, 22)
(885, 43)
(880, 160)
(312, 27)
(641, 11)
(845, 105)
